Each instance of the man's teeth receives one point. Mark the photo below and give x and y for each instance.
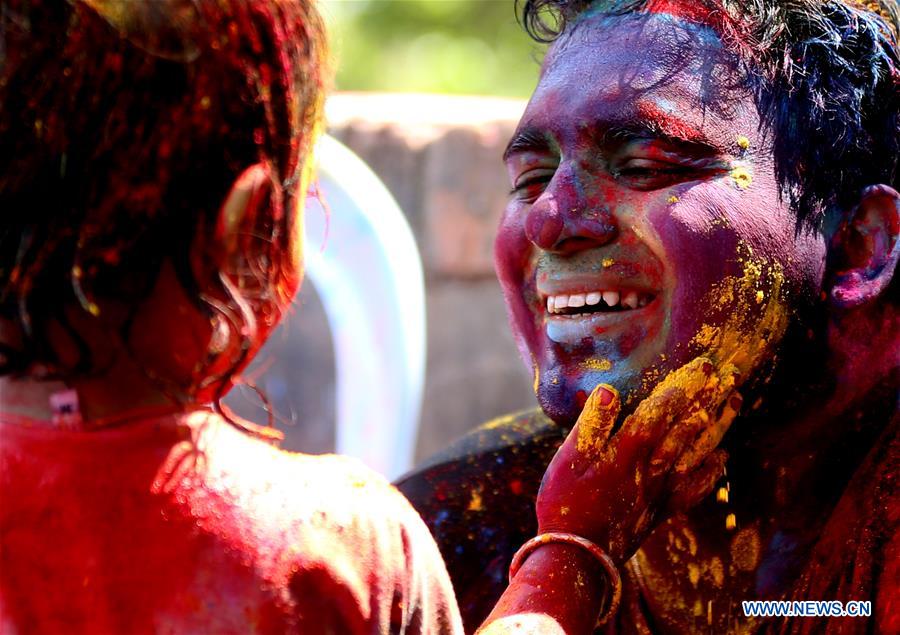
(624, 300)
(611, 297)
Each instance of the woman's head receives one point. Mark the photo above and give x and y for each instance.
(147, 141)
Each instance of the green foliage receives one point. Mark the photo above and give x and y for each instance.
(441, 46)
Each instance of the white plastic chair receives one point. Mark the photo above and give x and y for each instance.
(362, 259)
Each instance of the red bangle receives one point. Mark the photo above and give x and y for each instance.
(614, 580)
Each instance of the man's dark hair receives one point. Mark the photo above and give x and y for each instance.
(122, 127)
(825, 76)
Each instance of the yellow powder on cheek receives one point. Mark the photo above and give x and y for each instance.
(707, 336)
(744, 340)
(742, 177)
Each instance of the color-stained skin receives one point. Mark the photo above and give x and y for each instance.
(639, 185)
(646, 230)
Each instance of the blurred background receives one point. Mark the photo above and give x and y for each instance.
(471, 47)
(428, 93)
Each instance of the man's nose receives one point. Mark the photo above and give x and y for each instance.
(566, 220)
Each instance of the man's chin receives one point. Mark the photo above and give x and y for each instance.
(563, 412)
(562, 395)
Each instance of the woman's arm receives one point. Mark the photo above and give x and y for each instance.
(559, 589)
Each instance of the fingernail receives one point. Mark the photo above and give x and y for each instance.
(736, 401)
(605, 395)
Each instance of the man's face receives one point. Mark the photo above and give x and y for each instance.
(645, 226)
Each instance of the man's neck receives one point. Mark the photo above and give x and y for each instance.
(793, 458)
(798, 451)
(794, 471)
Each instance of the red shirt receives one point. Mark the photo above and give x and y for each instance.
(184, 524)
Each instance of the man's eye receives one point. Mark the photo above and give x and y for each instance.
(649, 174)
(637, 167)
(530, 185)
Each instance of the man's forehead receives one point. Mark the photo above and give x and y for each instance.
(652, 69)
(652, 44)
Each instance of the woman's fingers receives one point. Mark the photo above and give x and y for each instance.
(608, 483)
(671, 401)
(596, 420)
(693, 434)
(586, 442)
(710, 437)
(690, 489)
(673, 444)
(717, 390)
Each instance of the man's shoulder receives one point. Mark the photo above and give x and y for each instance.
(502, 460)
(477, 498)
(856, 554)
(515, 434)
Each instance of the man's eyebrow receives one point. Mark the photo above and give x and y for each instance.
(646, 121)
(527, 140)
(651, 122)
(631, 131)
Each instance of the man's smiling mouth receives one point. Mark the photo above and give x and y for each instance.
(581, 300)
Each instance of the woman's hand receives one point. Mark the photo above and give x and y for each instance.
(613, 488)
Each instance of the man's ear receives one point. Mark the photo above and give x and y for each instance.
(866, 248)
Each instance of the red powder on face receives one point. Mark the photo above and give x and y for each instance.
(668, 123)
(629, 342)
(697, 12)
(692, 11)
